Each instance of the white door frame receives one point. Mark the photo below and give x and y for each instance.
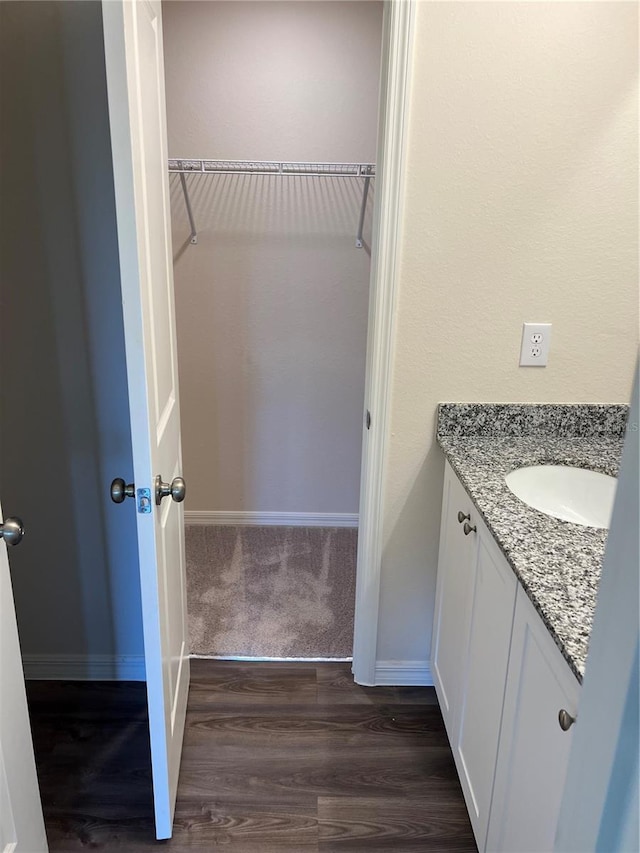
(397, 45)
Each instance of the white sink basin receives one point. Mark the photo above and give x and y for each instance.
(572, 494)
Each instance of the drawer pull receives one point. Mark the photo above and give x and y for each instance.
(565, 719)
(462, 517)
(469, 529)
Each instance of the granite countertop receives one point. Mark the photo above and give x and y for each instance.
(557, 562)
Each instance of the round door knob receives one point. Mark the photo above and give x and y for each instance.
(565, 719)
(120, 490)
(462, 517)
(12, 530)
(469, 529)
(176, 489)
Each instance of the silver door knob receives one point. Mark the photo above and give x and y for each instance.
(469, 529)
(565, 719)
(176, 489)
(12, 531)
(120, 490)
(462, 516)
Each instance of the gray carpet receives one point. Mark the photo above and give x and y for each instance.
(271, 591)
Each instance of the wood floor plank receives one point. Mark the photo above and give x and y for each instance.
(302, 725)
(359, 771)
(401, 824)
(245, 825)
(216, 682)
(277, 757)
(93, 700)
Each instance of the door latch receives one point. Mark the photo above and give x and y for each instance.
(144, 501)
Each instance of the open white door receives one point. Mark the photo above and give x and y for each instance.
(135, 84)
(21, 822)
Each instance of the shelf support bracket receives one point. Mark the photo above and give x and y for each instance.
(363, 210)
(187, 202)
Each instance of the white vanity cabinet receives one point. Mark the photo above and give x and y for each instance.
(475, 601)
(501, 682)
(457, 554)
(534, 748)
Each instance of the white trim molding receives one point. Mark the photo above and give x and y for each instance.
(254, 659)
(84, 667)
(398, 29)
(403, 673)
(282, 519)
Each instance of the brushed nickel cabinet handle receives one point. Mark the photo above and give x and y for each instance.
(462, 517)
(469, 529)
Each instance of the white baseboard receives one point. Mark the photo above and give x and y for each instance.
(282, 519)
(84, 667)
(403, 673)
(254, 659)
(397, 673)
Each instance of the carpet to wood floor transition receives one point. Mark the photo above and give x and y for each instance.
(271, 591)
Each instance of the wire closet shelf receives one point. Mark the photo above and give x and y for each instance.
(183, 167)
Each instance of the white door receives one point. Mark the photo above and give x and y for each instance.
(21, 822)
(135, 84)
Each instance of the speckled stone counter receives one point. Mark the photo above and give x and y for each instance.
(558, 563)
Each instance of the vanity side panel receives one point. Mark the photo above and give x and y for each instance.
(452, 593)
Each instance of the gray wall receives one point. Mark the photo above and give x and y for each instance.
(63, 406)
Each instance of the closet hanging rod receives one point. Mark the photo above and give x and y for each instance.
(269, 167)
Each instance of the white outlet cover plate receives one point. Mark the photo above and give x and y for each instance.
(534, 350)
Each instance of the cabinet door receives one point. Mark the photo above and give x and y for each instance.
(491, 608)
(534, 750)
(455, 563)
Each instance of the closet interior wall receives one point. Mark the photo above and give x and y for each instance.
(272, 302)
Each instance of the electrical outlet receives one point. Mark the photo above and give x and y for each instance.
(534, 350)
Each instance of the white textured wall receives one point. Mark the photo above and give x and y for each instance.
(521, 204)
(272, 302)
(64, 410)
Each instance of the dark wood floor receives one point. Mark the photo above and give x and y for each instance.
(277, 757)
